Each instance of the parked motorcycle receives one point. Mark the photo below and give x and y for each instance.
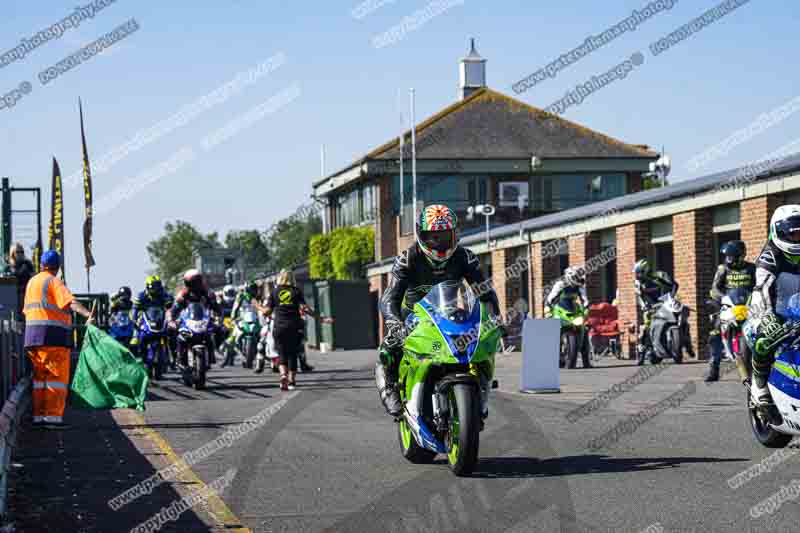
(250, 327)
(775, 425)
(668, 330)
(443, 376)
(153, 343)
(121, 327)
(196, 332)
(574, 338)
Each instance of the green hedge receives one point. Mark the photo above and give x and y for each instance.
(341, 254)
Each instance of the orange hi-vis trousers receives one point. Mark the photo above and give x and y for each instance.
(50, 382)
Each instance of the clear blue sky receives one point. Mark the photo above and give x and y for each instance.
(687, 99)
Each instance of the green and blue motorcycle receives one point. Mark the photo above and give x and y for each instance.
(444, 376)
(574, 332)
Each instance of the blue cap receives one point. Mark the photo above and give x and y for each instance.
(51, 259)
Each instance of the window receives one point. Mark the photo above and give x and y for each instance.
(661, 241)
(556, 192)
(608, 272)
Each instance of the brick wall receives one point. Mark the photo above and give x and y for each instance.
(499, 263)
(385, 242)
(633, 242)
(694, 271)
(582, 248)
(755, 214)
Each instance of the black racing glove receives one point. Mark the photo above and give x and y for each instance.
(396, 333)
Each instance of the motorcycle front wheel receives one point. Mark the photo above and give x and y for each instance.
(463, 439)
(250, 351)
(763, 431)
(199, 370)
(569, 343)
(412, 451)
(675, 345)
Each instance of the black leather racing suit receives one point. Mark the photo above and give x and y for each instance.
(411, 278)
(777, 280)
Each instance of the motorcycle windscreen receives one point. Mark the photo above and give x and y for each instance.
(456, 312)
(787, 296)
(738, 295)
(195, 312)
(568, 304)
(155, 314)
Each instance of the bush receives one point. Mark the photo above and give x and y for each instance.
(319, 257)
(342, 254)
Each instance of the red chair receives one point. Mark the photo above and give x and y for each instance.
(604, 331)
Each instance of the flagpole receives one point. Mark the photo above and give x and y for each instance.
(414, 160)
(402, 178)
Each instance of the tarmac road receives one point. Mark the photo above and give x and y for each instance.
(328, 458)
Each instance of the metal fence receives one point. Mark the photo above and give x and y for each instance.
(14, 365)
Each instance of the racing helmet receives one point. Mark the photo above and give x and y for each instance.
(436, 234)
(193, 280)
(153, 285)
(124, 293)
(733, 252)
(228, 294)
(574, 276)
(641, 268)
(784, 230)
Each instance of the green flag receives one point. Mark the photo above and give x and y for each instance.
(108, 375)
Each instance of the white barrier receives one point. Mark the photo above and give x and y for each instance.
(540, 352)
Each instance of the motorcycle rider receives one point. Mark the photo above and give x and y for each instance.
(121, 301)
(733, 273)
(248, 295)
(777, 279)
(195, 290)
(153, 295)
(435, 257)
(571, 286)
(649, 287)
(226, 301)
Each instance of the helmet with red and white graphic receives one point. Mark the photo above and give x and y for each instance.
(436, 234)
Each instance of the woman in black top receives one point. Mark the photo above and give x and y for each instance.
(284, 304)
(21, 268)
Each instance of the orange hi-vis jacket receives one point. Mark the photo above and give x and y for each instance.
(48, 320)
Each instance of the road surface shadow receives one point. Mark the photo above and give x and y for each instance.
(530, 467)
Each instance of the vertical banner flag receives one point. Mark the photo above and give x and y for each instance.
(57, 216)
(87, 194)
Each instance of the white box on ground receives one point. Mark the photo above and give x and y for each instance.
(540, 352)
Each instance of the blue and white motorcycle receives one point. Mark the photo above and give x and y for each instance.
(153, 342)
(774, 426)
(121, 328)
(196, 336)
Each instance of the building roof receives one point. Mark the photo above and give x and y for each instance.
(735, 177)
(491, 125)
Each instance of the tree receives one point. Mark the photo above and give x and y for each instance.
(172, 252)
(288, 240)
(252, 247)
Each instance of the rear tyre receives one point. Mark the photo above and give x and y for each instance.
(463, 438)
(412, 451)
(569, 341)
(763, 432)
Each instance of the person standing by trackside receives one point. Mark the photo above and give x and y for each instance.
(21, 268)
(48, 339)
(285, 303)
